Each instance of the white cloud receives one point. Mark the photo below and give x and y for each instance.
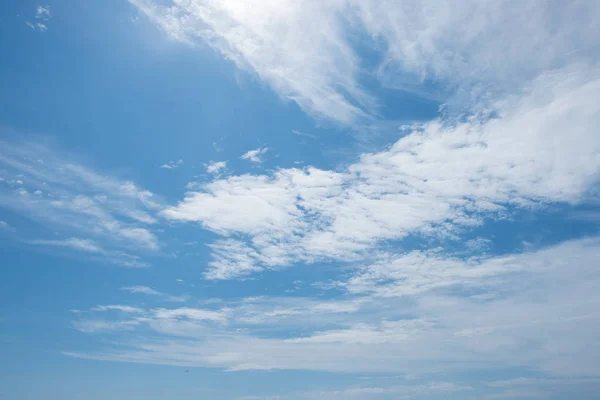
(531, 142)
(151, 292)
(37, 26)
(490, 43)
(190, 313)
(141, 289)
(300, 133)
(418, 272)
(544, 319)
(88, 246)
(100, 326)
(216, 167)
(178, 321)
(125, 309)
(139, 236)
(272, 208)
(42, 12)
(172, 164)
(74, 200)
(479, 244)
(255, 155)
(462, 49)
(441, 178)
(311, 67)
(74, 243)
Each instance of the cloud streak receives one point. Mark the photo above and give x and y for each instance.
(255, 156)
(172, 164)
(93, 211)
(151, 292)
(216, 167)
(431, 49)
(403, 333)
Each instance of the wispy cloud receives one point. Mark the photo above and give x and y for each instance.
(255, 155)
(88, 246)
(172, 164)
(492, 48)
(403, 333)
(74, 243)
(50, 187)
(37, 26)
(300, 133)
(42, 12)
(151, 292)
(178, 322)
(216, 167)
(101, 326)
(311, 74)
(125, 309)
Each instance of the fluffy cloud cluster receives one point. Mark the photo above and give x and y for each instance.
(540, 147)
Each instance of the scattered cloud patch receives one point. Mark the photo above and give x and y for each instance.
(125, 309)
(151, 292)
(255, 156)
(100, 326)
(37, 26)
(88, 246)
(43, 12)
(42, 15)
(74, 243)
(216, 167)
(172, 164)
(50, 187)
(399, 329)
(300, 133)
(478, 245)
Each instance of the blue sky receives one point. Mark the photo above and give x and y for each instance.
(299, 200)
